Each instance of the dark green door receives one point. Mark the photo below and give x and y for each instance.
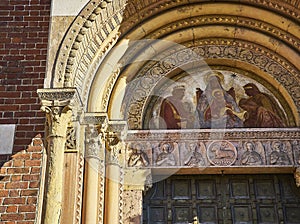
(223, 199)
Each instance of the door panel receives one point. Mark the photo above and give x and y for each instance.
(241, 199)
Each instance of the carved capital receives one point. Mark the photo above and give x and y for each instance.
(115, 134)
(99, 120)
(96, 124)
(58, 105)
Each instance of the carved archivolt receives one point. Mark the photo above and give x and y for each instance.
(138, 10)
(98, 19)
(95, 22)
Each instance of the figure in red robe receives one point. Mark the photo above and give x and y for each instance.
(174, 112)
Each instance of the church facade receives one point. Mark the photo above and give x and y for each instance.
(156, 112)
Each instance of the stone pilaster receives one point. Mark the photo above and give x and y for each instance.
(94, 168)
(135, 181)
(57, 103)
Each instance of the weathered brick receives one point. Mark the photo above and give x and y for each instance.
(9, 217)
(12, 209)
(14, 201)
(27, 208)
(16, 178)
(36, 155)
(31, 163)
(31, 177)
(17, 185)
(35, 170)
(4, 193)
(14, 193)
(3, 209)
(18, 170)
(34, 184)
(30, 216)
(29, 192)
(25, 222)
(31, 200)
(18, 163)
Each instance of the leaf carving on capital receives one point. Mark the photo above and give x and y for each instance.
(58, 119)
(94, 143)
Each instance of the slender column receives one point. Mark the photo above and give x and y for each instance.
(56, 104)
(94, 169)
(114, 179)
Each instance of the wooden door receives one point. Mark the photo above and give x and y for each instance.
(223, 199)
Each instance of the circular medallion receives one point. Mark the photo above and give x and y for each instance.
(221, 153)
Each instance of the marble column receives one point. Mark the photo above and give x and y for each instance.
(93, 207)
(114, 173)
(57, 103)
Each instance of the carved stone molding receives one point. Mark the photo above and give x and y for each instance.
(71, 140)
(212, 148)
(145, 9)
(241, 22)
(95, 17)
(95, 128)
(96, 125)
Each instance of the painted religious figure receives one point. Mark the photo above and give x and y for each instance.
(217, 107)
(220, 104)
(174, 111)
(262, 110)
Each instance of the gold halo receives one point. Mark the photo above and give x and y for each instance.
(216, 74)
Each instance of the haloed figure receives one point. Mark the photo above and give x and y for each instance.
(174, 111)
(258, 116)
(216, 107)
(269, 105)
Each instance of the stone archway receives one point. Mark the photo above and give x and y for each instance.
(92, 73)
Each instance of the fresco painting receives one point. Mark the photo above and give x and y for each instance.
(222, 100)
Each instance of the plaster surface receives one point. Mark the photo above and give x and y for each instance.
(7, 134)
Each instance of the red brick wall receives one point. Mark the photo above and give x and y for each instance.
(19, 185)
(24, 30)
(24, 26)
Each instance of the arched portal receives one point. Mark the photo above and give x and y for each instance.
(121, 65)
